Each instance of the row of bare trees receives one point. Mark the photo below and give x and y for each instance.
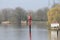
(18, 14)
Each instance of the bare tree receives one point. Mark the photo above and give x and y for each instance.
(20, 15)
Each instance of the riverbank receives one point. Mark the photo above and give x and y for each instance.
(36, 23)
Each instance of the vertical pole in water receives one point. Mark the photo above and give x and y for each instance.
(57, 34)
(29, 23)
(30, 31)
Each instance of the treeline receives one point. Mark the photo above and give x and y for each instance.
(18, 14)
(40, 14)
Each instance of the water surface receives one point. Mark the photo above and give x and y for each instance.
(12, 32)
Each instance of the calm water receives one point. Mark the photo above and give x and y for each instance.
(11, 32)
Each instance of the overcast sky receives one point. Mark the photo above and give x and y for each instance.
(26, 4)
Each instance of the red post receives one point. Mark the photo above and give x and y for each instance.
(29, 23)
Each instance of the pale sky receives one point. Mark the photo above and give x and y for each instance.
(25, 4)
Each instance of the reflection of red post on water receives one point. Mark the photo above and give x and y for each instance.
(29, 23)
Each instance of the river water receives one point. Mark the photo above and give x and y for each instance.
(12, 32)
